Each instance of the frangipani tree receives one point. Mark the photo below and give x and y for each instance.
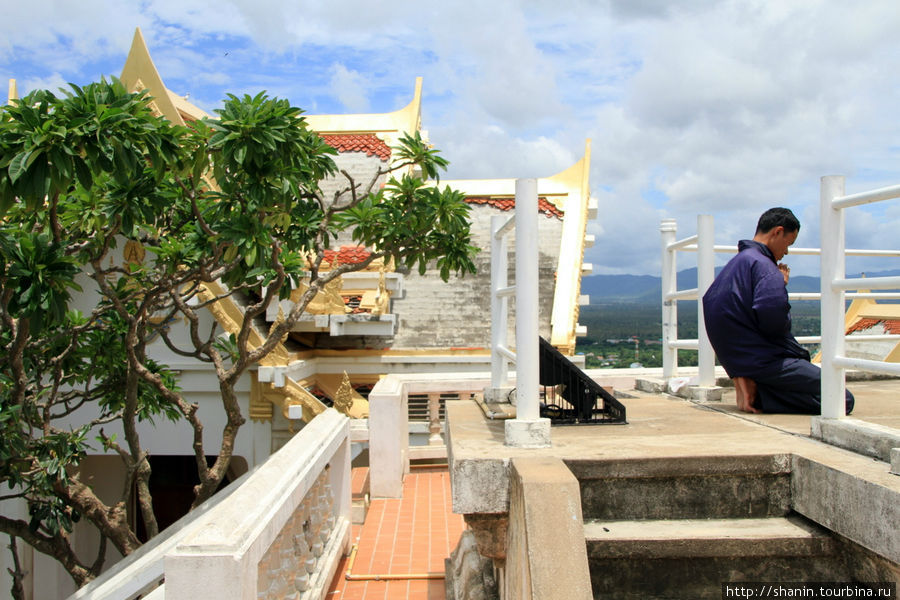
(234, 200)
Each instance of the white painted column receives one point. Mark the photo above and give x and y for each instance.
(388, 438)
(527, 429)
(499, 304)
(706, 272)
(832, 267)
(668, 230)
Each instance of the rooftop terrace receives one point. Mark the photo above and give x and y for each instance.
(415, 534)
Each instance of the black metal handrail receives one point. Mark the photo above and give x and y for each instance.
(570, 396)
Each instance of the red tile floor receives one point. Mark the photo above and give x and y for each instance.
(411, 535)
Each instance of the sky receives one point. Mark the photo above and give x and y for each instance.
(724, 108)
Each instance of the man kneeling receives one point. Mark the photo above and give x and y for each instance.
(748, 319)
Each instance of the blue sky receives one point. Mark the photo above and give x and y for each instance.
(715, 107)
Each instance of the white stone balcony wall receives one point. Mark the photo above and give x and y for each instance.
(280, 534)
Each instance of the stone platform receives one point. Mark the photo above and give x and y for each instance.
(851, 495)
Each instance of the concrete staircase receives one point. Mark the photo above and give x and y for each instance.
(680, 527)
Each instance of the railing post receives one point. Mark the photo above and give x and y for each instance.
(527, 429)
(832, 267)
(434, 419)
(499, 305)
(388, 437)
(706, 272)
(668, 229)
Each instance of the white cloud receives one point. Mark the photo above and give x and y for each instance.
(53, 82)
(725, 107)
(350, 88)
(490, 152)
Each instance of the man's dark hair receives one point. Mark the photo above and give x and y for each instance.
(778, 216)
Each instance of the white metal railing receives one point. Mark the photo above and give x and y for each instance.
(703, 244)
(281, 531)
(501, 291)
(528, 428)
(832, 202)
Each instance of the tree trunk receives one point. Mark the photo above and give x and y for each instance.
(212, 478)
(112, 521)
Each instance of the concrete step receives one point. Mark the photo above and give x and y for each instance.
(359, 493)
(712, 487)
(691, 558)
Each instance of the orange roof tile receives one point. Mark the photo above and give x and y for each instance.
(890, 325)
(544, 206)
(369, 143)
(346, 255)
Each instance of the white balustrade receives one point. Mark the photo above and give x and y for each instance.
(835, 289)
(277, 532)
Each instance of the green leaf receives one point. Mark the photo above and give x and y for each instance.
(83, 173)
(18, 165)
(250, 256)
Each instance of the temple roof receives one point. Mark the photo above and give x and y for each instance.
(369, 143)
(139, 73)
(545, 207)
(346, 255)
(891, 326)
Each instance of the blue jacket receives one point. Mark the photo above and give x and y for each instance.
(747, 314)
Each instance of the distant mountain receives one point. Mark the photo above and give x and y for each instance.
(621, 287)
(647, 289)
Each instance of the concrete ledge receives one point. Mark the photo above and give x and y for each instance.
(479, 486)
(427, 452)
(359, 430)
(859, 510)
(650, 384)
(706, 538)
(862, 437)
(702, 393)
(681, 466)
(895, 461)
(501, 394)
(522, 433)
(546, 553)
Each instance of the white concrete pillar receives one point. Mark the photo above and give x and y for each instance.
(527, 429)
(832, 311)
(668, 229)
(706, 272)
(388, 438)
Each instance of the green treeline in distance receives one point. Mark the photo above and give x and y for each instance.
(612, 328)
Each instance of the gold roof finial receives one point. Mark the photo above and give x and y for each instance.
(343, 399)
(13, 95)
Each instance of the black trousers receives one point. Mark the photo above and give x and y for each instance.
(795, 389)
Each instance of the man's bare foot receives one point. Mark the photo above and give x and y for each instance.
(745, 394)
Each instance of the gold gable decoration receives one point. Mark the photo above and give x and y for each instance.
(133, 253)
(260, 407)
(380, 299)
(265, 396)
(343, 399)
(341, 391)
(327, 302)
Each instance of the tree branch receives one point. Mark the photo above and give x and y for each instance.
(17, 574)
(58, 547)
